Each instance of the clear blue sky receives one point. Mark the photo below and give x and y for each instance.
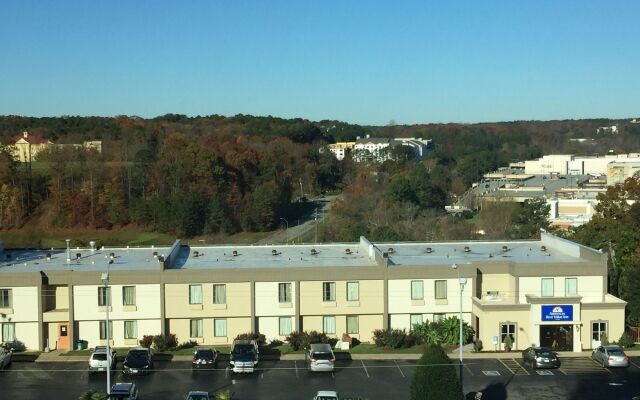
(356, 61)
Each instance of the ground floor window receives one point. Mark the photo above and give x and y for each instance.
(220, 327)
(285, 326)
(557, 337)
(103, 330)
(415, 319)
(352, 324)
(329, 325)
(508, 329)
(196, 328)
(8, 332)
(598, 329)
(130, 329)
(438, 317)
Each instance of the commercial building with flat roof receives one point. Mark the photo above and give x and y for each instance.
(547, 292)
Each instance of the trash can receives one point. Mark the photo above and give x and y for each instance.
(81, 344)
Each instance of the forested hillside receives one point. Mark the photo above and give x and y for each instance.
(203, 175)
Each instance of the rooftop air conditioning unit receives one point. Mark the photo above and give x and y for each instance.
(274, 252)
(543, 248)
(467, 249)
(505, 249)
(314, 252)
(429, 250)
(196, 253)
(390, 250)
(155, 254)
(348, 251)
(235, 253)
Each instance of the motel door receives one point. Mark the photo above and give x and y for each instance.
(63, 336)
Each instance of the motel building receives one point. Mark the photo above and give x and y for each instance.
(549, 292)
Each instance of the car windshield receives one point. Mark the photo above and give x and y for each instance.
(243, 349)
(137, 354)
(119, 396)
(326, 398)
(204, 354)
(546, 353)
(198, 397)
(616, 352)
(322, 356)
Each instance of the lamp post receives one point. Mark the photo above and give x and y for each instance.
(462, 282)
(287, 230)
(105, 281)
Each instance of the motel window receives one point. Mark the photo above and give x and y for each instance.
(438, 317)
(415, 319)
(547, 287)
(508, 329)
(129, 295)
(219, 327)
(284, 326)
(130, 329)
(598, 329)
(196, 328)
(220, 294)
(441, 290)
(284, 292)
(103, 330)
(353, 291)
(5, 298)
(353, 324)
(104, 296)
(328, 291)
(570, 286)
(195, 294)
(8, 332)
(329, 325)
(417, 290)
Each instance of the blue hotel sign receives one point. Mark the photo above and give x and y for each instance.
(557, 313)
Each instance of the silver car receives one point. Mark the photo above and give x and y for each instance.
(611, 356)
(320, 357)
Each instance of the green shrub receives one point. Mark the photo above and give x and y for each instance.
(224, 394)
(258, 337)
(604, 340)
(393, 338)
(446, 331)
(187, 345)
(626, 341)
(93, 395)
(435, 377)
(146, 341)
(296, 340)
(164, 343)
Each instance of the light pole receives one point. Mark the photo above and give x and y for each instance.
(105, 280)
(287, 231)
(462, 282)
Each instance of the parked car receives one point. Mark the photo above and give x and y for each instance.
(99, 360)
(244, 356)
(326, 395)
(319, 357)
(124, 391)
(540, 357)
(197, 395)
(206, 358)
(138, 361)
(610, 356)
(5, 357)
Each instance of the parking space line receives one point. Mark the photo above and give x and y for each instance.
(634, 364)
(601, 366)
(401, 373)
(365, 369)
(295, 365)
(468, 369)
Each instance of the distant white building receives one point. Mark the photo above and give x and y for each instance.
(340, 149)
(377, 149)
(568, 164)
(613, 129)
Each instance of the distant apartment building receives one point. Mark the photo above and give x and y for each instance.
(27, 147)
(378, 149)
(340, 149)
(211, 294)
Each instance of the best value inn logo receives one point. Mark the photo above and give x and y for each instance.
(557, 313)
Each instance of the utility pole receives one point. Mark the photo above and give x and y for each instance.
(301, 191)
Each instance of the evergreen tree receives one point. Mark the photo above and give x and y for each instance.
(435, 378)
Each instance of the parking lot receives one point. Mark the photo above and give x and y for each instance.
(578, 378)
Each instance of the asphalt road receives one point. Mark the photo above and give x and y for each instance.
(497, 379)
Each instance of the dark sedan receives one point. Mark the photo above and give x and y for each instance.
(205, 359)
(138, 361)
(540, 357)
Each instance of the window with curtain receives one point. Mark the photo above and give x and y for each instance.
(598, 329)
(415, 319)
(353, 291)
(5, 298)
(328, 291)
(570, 286)
(352, 324)
(284, 292)
(8, 332)
(103, 330)
(441, 290)
(104, 296)
(417, 290)
(285, 326)
(196, 328)
(220, 294)
(329, 325)
(195, 294)
(130, 329)
(129, 295)
(547, 286)
(220, 327)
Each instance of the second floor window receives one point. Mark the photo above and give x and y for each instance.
(441, 290)
(547, 287)
(5, 298)
(328, 291)
(417, 290)
(129, 295)
(219, 294)
(284, 293)
(570, 286)
(195, 294)
(353, 291)
(104, 296)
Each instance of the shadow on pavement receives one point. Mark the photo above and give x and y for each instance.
(494, 391)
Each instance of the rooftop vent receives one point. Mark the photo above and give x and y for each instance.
(235, 253)
(505, 249)
(92, 243)
(196, 253)
(429, 250)
(274, 252)
(78, 256)
(314, 252)
(467, 249)
(390, 250)
(543, 248)
(348, 251)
